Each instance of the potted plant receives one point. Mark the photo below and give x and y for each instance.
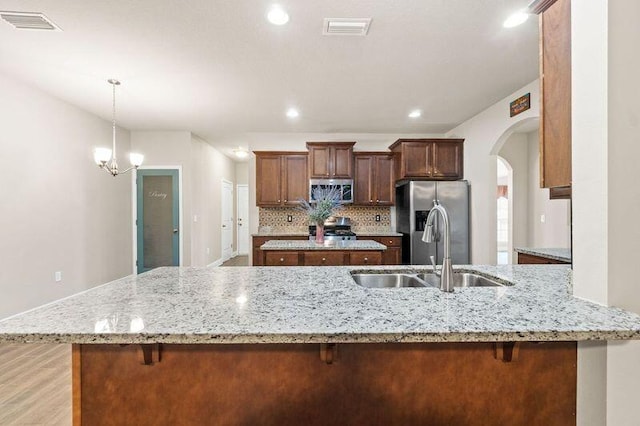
(324, 202)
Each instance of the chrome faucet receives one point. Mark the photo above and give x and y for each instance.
(446, 271)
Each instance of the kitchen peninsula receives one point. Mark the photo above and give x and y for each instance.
(307, 345)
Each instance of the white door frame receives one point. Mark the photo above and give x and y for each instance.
(246, 224)
(134, 212)
(224, 181)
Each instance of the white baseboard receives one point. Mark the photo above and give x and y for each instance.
(216, 263)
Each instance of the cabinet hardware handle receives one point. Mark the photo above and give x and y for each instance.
(281, 259)
(371, 201)
(285, 201)
(377, 201)
(323, 259)
(278, 200)
(366, 259)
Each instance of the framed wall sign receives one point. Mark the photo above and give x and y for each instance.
(521, 104)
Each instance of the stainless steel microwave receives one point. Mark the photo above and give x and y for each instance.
(345, 188)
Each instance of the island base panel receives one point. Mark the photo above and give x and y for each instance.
(289, 384)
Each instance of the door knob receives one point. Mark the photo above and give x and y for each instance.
(175, 230)
(224, 226)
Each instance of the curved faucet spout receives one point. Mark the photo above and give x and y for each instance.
(446, 276)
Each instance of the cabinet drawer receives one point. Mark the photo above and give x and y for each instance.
(365, 258)
(281, 258)
(387, 241)
(324, 258)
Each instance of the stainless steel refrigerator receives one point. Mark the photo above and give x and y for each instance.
(414, 200)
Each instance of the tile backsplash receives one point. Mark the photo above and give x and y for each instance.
(363, 219)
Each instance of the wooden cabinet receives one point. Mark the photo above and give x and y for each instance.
(330, 160)
(281, 258)
(393, 254)
(374, 179)
(281, 178)
(257, 241)
(365, 258)
(555, 92)
(323, 258)
(526, 259)
(438, 159)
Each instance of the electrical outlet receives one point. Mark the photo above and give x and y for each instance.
(377, 218)
(58, 276)
(289, 218)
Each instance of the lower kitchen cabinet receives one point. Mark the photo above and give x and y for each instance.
(257, 241)
(321, 257)
(393, 254)
(281, 258)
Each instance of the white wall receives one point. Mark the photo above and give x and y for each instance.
(515, 151)
(556, 230)
(606, 199)
(203, 168)
(484, 135)
(59, 211)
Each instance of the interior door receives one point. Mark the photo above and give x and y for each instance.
(227, 220)
(243, 219)
(157, 219)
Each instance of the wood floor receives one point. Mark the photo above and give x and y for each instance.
(35, 384)
(237, 261)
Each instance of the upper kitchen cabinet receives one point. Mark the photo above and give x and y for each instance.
(281, 178)
(438, 159)
(330, 160)
(555, 92)
(374, 179)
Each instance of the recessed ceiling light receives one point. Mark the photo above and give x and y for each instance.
(292, 113)
(415, 113)
(277, 15)
(241, 152)
(516, 19)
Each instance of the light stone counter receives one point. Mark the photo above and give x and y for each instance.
(561, 254)
(328, 245)
(319, 304)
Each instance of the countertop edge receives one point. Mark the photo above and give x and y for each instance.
(542, 252)
(218, 339)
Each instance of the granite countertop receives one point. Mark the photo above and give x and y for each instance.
(328, 245)
(561, 254)
(319, 305)
(281, 234)
(379, 233)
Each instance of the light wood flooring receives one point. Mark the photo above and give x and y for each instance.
(35, 384)
(237, 261)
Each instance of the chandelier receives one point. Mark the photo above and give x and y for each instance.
(106, 158)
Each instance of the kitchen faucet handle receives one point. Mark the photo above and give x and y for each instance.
(433, 262)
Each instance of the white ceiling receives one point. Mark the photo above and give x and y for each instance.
(220, 70)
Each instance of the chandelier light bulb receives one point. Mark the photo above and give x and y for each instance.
(101, 155)
(136, 159)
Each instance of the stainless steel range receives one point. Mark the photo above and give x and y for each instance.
(335, 229)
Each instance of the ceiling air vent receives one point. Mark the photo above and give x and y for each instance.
(29, 21)
(346, 26)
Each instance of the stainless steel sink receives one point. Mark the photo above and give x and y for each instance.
(424, 280)
(387, 280)
(462, 279)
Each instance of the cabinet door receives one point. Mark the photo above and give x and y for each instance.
(295, 184)
(323, 258)
(365, 258)
(363, 180)
(281, 258)
(417, 159)
(555, 81)
(268, 180)
(447, 160)
(384, 180)
(319, 162)
(342, 157)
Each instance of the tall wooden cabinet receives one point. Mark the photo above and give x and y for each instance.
(374, 179)
(555, 92)
(330, 160)
(437, 159)
(281, 178)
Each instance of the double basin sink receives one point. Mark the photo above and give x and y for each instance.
(397, 279)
